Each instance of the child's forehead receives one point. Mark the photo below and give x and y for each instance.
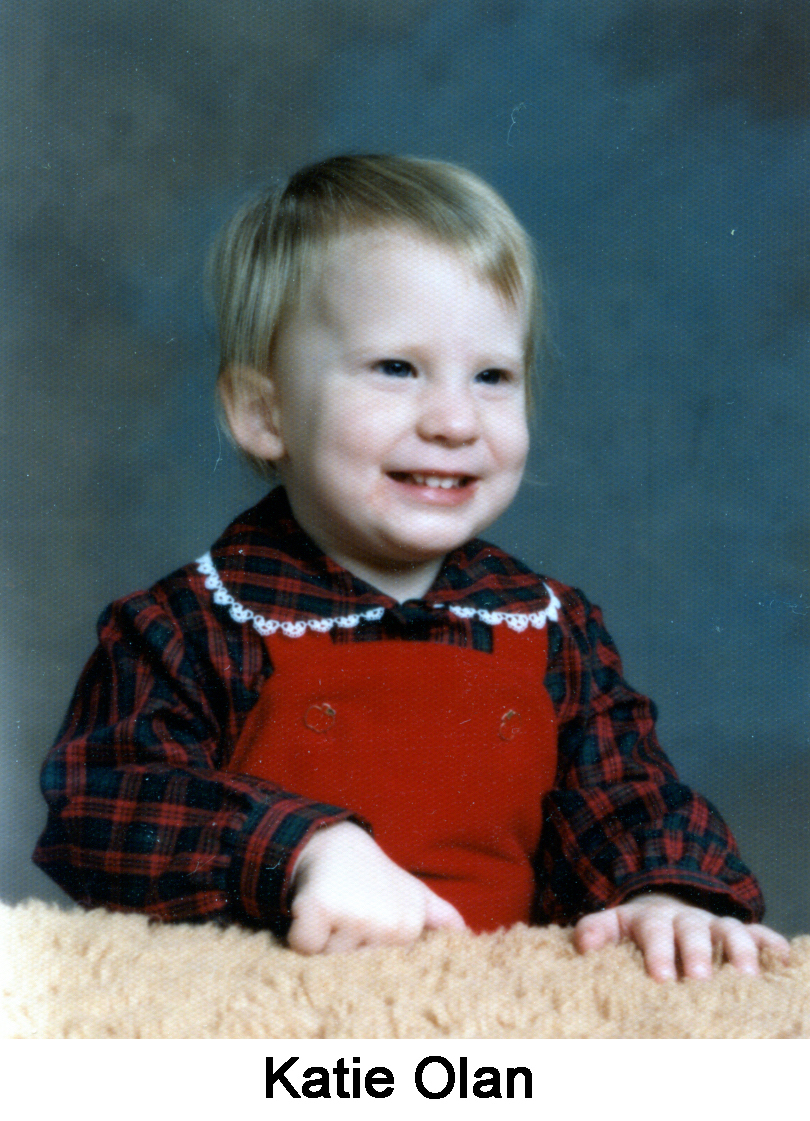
(379, 244)
(386, 256)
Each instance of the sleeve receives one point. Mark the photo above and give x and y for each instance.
(619, 822)
(140, 815)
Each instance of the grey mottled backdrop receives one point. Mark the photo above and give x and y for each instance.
(657, 149)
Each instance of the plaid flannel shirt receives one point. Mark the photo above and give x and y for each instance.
(142, 817)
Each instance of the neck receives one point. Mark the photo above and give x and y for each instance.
(408, 581)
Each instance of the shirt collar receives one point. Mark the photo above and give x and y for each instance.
(269, 566)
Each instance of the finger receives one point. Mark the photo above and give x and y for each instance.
(738, 945)
(354, 935)
(344, 939)
(655, 937)
(441, 915)
(310, 928)
(767, 939)
(599, 929)
(693, 942)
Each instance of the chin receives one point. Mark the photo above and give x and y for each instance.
(423, 550)
(429, 535)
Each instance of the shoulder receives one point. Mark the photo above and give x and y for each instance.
(174, 612)
(185, 604)
(481, 570)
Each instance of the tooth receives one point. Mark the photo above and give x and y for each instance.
(445, 482)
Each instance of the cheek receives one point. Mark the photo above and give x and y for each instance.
(522, 443)
(511, 438)
(351, 442)
(361, 430)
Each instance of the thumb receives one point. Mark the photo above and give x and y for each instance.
(310, 928)
(596, 930)
(441, 915)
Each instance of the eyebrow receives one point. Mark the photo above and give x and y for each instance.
(484, 361)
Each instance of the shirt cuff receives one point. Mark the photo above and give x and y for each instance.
(740, 901)
(266, 849)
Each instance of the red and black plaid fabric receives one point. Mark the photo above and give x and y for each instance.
(142, 817)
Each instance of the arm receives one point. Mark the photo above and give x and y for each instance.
(141, 818)
(623, 838)
(620, 823)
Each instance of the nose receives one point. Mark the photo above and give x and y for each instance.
(448, 416)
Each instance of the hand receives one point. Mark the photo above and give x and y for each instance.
(348, 894)
(668, 930)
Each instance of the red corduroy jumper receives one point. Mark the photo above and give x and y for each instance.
(445, 751)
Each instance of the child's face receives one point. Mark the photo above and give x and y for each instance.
(400, 406)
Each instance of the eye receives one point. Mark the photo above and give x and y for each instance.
(494, 376)
(395, 368)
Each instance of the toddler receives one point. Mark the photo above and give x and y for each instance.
(354, 720)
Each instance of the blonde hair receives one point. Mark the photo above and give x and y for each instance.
(262, 257)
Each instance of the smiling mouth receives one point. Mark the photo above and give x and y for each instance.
(443, 482)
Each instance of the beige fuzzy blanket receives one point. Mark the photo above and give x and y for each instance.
(98, 975)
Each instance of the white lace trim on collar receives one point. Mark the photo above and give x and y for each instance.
(516, 621)
(241, 614)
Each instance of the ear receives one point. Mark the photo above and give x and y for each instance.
(250, 401)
